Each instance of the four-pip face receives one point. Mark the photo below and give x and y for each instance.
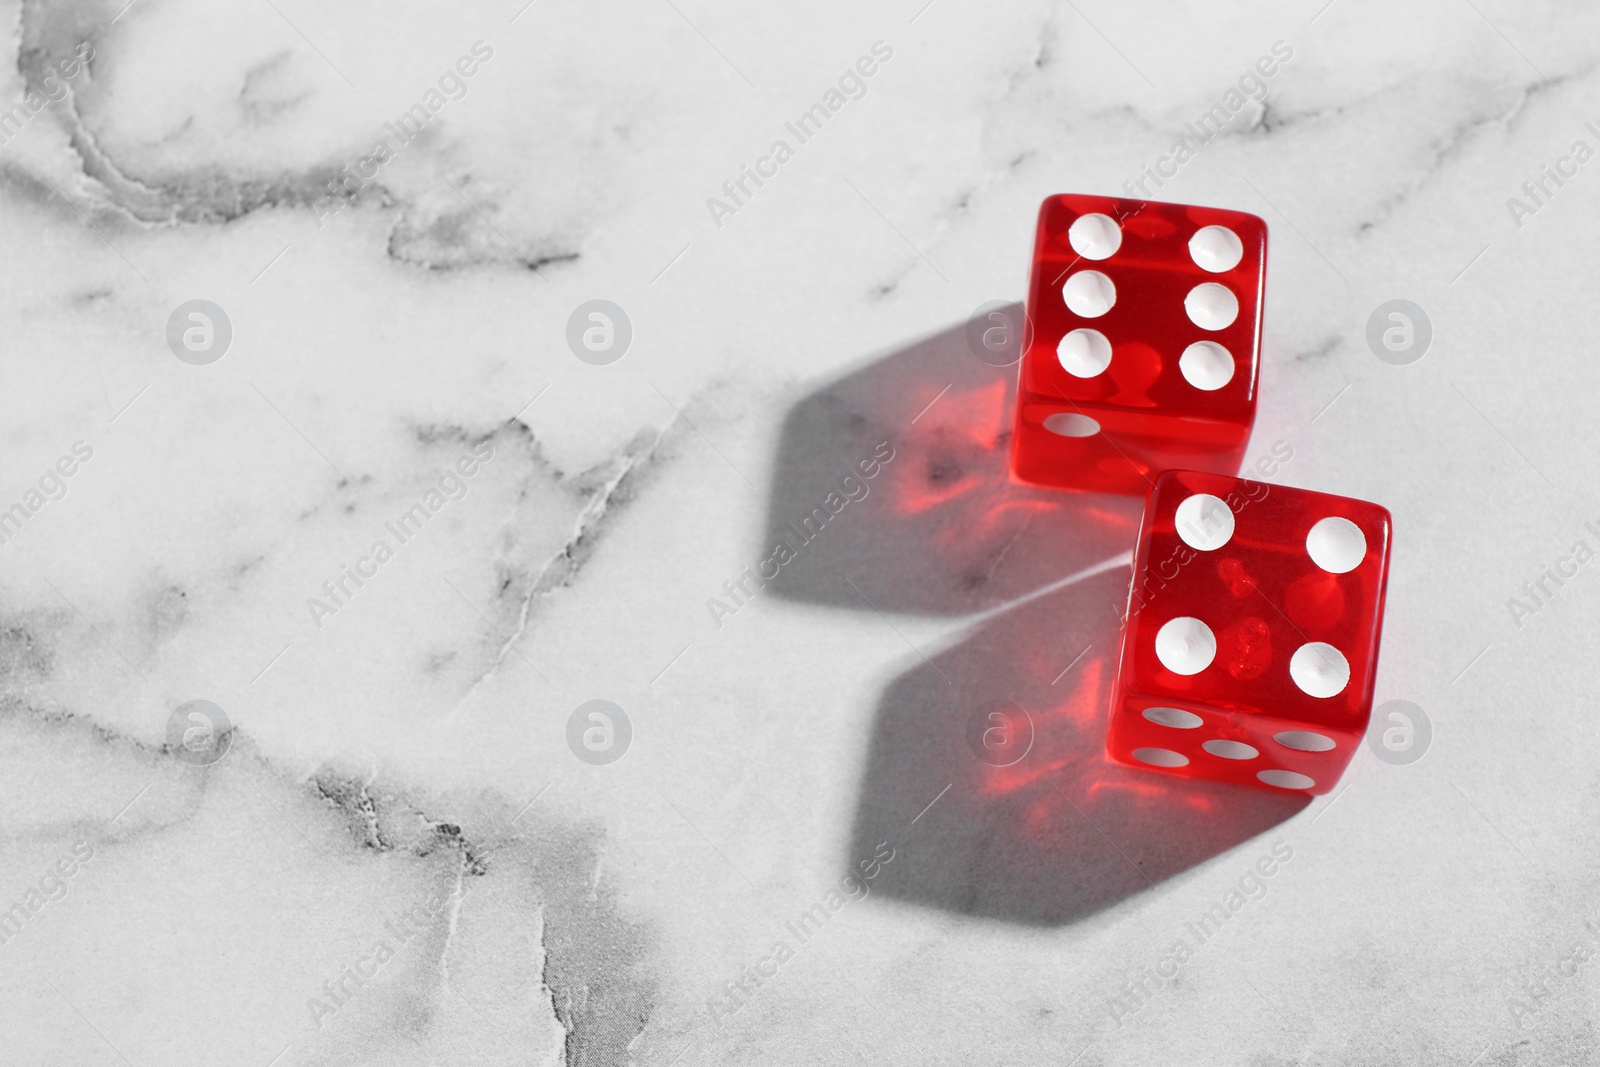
(1252, 633)
(1145, 333)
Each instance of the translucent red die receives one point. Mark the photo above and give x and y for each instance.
(1144, 342)
(1251, 639)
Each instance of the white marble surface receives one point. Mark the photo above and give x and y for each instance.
(408, 757)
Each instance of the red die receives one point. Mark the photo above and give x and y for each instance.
(1145, 339)
(1252, 632)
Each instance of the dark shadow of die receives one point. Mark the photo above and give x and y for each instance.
(1037, 826)
(896, 479)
